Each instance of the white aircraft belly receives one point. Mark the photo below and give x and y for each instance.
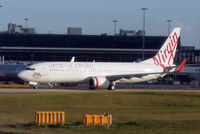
(137, 79)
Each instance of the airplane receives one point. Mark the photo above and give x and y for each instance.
(107, 74)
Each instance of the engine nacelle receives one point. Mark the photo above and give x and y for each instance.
(95, 82)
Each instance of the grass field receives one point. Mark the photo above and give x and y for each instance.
(133, 112)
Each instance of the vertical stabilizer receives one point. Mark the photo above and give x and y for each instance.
(165, 56)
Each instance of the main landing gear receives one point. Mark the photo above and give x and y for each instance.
(111, 86)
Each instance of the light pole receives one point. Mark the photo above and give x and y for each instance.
(26, 21)
(169, 21)
(143, 44)
(115, 26)
(1, 6)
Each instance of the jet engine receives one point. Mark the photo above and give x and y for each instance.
(95, 82)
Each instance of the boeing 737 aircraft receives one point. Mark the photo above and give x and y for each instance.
(106, 74)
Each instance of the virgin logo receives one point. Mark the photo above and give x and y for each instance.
(166, 54)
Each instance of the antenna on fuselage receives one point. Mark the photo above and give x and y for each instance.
(73, 59)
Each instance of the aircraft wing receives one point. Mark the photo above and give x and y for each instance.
(168, 70)
(129, 76)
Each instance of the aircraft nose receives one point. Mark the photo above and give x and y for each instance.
(22, 75)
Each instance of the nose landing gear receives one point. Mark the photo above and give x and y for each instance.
(35, 85)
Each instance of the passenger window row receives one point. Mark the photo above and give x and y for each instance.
(95, 70)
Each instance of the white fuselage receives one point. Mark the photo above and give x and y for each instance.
(72, 72)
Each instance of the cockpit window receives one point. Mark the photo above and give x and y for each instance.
(29, 68)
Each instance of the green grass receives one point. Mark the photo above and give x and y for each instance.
(133, 112)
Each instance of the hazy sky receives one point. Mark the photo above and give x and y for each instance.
(95, 16)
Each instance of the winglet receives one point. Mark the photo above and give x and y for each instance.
(181, 66)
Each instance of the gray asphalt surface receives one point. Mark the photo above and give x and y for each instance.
(75, 90)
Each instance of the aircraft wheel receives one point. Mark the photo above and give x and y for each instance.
(111, 87)
(35, 87)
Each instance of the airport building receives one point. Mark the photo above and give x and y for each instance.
(50, 47)
(106, 48)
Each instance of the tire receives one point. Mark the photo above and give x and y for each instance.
(35, 87)
(111, 87)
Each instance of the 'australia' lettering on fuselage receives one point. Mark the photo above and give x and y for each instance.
(69, 66)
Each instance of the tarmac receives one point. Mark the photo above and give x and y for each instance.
(82, 90)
